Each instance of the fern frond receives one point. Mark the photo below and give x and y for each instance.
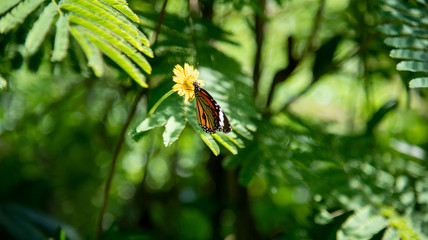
(223, 140)
(117, 57)
(419, 55)
(363, 224)
(403, 225)
(61, 39)
(419, 82)
(206, 138)
(5, 5)
(413, 66)
(18, 15)
(91, 12)
(104, 33)
(124, 22)
(95, 60)
(40, 29)
(407, 42)
(408, 34)
(122, 6)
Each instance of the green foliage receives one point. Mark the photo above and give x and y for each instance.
(18, 14)
(61, 39)
(340, 153)
(223, 78)
(40, 29)
(93, 54)
(363, 224)
(24, 223)
(105, 25)
(407, 34)
(7, 4)
(3, 82)
(419, 82)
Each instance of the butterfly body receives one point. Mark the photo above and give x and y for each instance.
(211, 117)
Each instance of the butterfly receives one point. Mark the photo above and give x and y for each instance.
(211, 117)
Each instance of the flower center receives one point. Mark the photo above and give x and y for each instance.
(189, 83)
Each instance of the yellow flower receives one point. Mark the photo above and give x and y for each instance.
(184, 79)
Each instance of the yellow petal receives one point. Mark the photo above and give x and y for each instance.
(178, 79)
(179, 71)
(176, 87)
(195, 74)
(188, 70)
(191, 96)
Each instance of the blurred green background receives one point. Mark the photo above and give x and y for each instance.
(328, 143)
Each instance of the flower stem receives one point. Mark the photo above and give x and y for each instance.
(160, 101)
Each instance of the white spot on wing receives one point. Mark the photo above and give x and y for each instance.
(221, 116)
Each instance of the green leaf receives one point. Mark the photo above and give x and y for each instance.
(18, 14)
(363, 224)
(420, 55)
(97, 15)
(391, 234)
(413, 66)
(155, 120)
(40, 28)
(223, 140)
(173, 129)
(95, 60)
(3, 82)
(104, 34)
(403, 29)
(117, 57)
(5, 5)
(403, 225)
(162, 114)
(123, 22)
(123, 7)
(419, 82)
(395, 14)
(241, 130)
(62, 235)
(234, 139)
(407, 42)
(207, 138)
(61, 39)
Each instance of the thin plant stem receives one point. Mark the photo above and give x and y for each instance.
(160, 101)
(115, 158)
(123, 132)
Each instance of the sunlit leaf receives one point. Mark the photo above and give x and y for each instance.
(363, 224)
(413, 66)
(61, 39)
(173, 128)
(5, 5)
(419, 82)
(223, 140)
(117, 57)
(419, 55)
(123, 7)
(18, 14)
(40, 28)
(93, 54)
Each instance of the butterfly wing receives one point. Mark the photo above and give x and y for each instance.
(210, 116)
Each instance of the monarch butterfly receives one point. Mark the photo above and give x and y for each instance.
(211, 117)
